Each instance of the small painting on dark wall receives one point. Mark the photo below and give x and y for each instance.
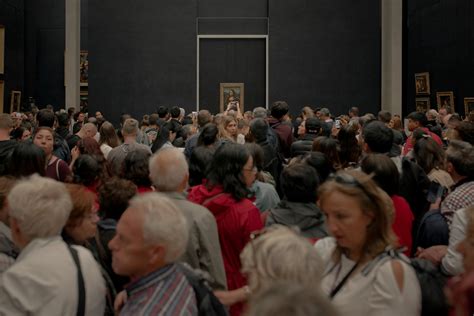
(84, 67)
(422, 104)
(445, 99)
(468, 106)
(15, 101)
(231, 96)
(422, 83)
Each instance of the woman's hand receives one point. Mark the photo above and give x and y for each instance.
(434, 254)
(229, 298)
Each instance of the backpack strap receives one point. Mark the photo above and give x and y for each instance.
(81, 306)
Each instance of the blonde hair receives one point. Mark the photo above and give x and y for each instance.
(223, 134)
(372, 200)
(281, 254)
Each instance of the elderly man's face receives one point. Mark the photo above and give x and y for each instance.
(130, 253)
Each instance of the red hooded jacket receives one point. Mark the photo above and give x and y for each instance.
(236, 220)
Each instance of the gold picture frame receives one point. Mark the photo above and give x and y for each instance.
(84, 68)
(423, 104)
(422, 83)
(231, 92)
(468, 105)
(15, 101)
(445, 98)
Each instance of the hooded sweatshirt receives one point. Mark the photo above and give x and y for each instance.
(306, 216)
(236, 220)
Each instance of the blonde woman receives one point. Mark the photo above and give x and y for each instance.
(228, 129)
(359, 278)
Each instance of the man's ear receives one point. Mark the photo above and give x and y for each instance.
(157, 255)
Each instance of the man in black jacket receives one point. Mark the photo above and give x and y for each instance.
(312, 129)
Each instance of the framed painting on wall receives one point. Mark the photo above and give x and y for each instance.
(422, 104)
(231, 96)
(15, 101)
(84, 68)
(468, 105)
(84, 99)
(422, 83)
(2, 48)
(445, 99)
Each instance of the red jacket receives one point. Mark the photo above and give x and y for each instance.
(235, 221)
(403, 222)
(410, 143)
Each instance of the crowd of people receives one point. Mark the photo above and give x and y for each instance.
(253, 213)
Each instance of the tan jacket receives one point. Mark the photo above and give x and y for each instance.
(203, 250)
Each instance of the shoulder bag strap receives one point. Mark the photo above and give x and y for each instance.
(81, 306)
(343, 281)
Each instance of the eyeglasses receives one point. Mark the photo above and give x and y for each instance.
(254, 169)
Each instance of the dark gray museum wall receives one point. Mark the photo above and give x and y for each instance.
(44, 52)
(142, 54)
(441, 41)
(325, 53)
(12, 17)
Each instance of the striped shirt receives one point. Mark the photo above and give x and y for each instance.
(163, 292)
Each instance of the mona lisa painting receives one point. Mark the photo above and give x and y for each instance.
(231, 96)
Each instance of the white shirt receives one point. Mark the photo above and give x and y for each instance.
(374, 293)
(105, 149)
(43, 281)
(451, 263)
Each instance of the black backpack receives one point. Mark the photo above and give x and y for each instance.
(208, 304)
(433, 230)
(432, 283)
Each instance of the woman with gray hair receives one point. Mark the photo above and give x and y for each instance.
(280, 253)
(44, 279)
(277, 254)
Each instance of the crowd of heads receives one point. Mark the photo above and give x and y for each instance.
(349, 166)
